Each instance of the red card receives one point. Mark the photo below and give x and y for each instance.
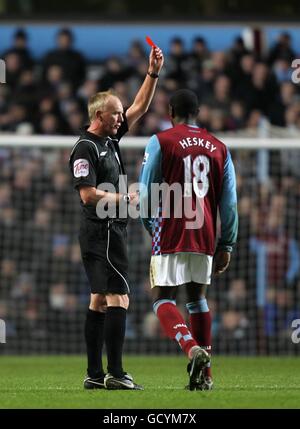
(150, 42)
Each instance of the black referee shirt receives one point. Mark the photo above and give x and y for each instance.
(96, 160)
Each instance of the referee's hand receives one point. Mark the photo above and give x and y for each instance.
(156, 60)
(221, 261)
(134, 198)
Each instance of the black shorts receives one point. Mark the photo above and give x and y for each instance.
(104, 254)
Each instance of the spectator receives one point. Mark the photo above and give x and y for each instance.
(21, 49)
(70, 61)
(13, 69)
(233, 330)
(220, 62)
(89, 88)
(237, 298)
(204, 116)
(8, 277)
(282, 70)
(136, 55)
(282, 49)
(236, 118)
(50, 125)
(206, 81)
(221, 94)
(25, 91)
(176, 61)
(113, 72)
(237, 51)
(198, 54)
(286, 98)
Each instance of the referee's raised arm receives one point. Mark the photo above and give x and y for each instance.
(145, 94)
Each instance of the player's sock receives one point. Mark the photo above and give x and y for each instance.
(94, 336)
(173, 324)
(114, 331)
(200, 321)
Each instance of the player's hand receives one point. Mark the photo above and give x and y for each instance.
(221, 261)
(156, 60)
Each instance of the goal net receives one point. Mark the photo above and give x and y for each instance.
(44, 293)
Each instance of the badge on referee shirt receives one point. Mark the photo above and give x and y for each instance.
(81, 168)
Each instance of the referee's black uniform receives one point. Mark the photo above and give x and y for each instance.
(93, 161)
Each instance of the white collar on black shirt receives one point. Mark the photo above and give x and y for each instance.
(109, 139)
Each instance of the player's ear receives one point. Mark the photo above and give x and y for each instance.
(171, 111)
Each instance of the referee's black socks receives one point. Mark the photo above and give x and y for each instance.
(114, 332)
(94, 337)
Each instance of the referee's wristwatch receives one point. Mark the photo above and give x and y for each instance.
(153, 75)
(126, 198)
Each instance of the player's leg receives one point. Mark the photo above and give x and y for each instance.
(94, 338)
(166, 269)
(170, 317)
(199, 314)
(200, 323)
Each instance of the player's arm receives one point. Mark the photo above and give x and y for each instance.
(229, 217)
(150, 173)
(145, 94)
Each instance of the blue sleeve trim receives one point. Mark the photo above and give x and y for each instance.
(228, 206)
(150, 173)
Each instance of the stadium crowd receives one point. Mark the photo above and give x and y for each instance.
(236, 88)
(43, 291)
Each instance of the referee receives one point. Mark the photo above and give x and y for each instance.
(96, 159)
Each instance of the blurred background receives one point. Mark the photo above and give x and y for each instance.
(137, 9)
(240, 65)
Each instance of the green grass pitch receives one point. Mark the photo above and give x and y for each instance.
(240, 382)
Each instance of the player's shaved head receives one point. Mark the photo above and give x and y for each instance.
(184, 103)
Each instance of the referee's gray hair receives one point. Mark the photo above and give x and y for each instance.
(98, 102)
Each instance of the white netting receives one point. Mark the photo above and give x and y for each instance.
(43, 290)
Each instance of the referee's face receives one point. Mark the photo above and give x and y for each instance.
(112, 117)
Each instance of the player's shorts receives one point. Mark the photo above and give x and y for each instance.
(104, 254)
(180, 268)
